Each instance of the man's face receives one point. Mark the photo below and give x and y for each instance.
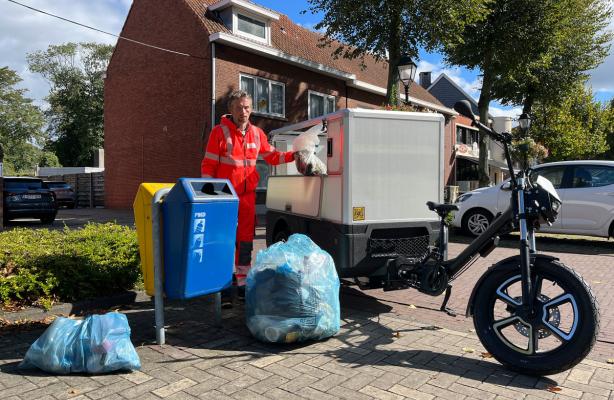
(241, 109)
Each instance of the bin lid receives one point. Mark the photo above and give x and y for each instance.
(208, 189)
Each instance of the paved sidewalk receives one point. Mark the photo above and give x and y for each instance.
(392, 345)
(378, 354)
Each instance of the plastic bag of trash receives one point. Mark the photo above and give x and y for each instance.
(95, 344)
(292, 293)
(306, 145)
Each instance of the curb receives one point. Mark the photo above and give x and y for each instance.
(77, 308)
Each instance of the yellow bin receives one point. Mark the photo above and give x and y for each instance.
(142, 218)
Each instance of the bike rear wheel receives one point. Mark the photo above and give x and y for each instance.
(554, 336)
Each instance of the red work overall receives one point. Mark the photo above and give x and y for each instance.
(231, 155)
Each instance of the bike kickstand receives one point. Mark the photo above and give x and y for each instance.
(444, 305)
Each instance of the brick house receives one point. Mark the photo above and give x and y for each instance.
(464, 163)
(161, 105)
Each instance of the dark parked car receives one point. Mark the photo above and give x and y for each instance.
(64, 193)
(28, 198)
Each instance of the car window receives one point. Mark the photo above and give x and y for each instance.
(592, 176)
(553, 174)
(22, 184)
(56, 185)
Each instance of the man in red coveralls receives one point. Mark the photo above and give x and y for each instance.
(232, 151)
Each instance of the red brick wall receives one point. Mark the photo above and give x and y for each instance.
(450, 157)
(231, 62)
(156, 103)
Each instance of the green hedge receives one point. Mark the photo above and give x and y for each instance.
(39, 266)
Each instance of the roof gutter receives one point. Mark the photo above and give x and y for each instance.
(269, 52)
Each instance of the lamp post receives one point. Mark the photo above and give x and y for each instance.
(525, 122)
(407, 72)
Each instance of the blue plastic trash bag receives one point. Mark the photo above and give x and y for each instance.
(292, 293)
(95, 344)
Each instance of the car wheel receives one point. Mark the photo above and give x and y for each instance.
(476, 221)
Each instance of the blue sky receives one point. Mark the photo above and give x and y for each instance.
(23, 31)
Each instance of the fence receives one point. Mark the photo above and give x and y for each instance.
(89, 187)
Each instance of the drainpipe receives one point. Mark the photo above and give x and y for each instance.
(212, 85)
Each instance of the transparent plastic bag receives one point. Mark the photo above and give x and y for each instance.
(292, 293)
(95, 344)
(307, 146)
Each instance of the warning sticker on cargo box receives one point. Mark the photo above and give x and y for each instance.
(359, 214)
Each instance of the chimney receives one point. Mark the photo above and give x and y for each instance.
(425, 79)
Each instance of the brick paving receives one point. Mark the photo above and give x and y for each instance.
(392, 345)
(378, 354)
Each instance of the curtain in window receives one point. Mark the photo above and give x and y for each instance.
(251, 26)
(262, 96)
(316, 105)
(277, 99)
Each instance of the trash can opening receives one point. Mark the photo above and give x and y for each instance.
(208, 188)
(221, 189)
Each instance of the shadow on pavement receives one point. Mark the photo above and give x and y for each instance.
(365, 340)
(579, 245)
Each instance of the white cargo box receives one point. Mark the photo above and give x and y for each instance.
(382, 168)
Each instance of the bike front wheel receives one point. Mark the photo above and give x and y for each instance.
(554, 335)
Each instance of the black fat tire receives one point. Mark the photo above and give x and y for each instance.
(471, 214)
(557, 360)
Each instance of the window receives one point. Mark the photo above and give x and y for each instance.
(269, 96)
(592, 176)
(320, 104)
(553, 174)
(466, 135)
(251, 26)
(467, 170)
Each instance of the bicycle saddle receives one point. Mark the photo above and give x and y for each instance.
(441, 209)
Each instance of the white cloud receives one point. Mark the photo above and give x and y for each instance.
(497, 111)
(24, 31)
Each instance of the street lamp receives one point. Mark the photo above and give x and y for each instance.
(407, 73)
(524, 121)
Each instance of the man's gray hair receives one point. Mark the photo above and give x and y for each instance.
(237, 95)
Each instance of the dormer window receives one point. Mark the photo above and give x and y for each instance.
(251, 26)
(246, 19)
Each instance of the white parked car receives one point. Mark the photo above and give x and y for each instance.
(585, 187)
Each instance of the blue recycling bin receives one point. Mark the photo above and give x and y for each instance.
(199, 228)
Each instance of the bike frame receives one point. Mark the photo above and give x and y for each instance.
(488, 240)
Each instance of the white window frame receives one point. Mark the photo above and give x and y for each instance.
(254, 99)
(325, 96)
(236, 31)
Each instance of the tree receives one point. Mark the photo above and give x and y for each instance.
(75, 114)
(609, 122)
(577, 44)
(21, 124)
(575, 129)
(387, 30)
(512, 34)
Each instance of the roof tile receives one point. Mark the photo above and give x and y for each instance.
(295, 40)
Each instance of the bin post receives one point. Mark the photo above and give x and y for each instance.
(156, 219)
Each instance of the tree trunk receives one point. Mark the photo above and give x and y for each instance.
(484, 101)
(527, 104)
(394, 55)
